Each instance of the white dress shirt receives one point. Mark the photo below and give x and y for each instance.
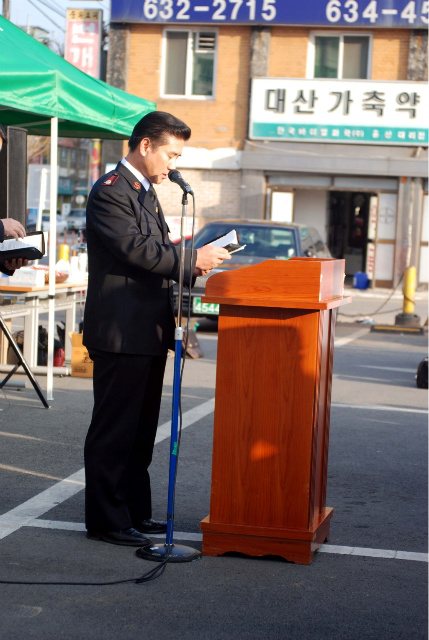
(140, 177)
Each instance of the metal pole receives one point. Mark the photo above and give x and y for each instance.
(52, 254)
(6, 9)
(170, 552)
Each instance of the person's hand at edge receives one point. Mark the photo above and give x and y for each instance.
(16, 263)
(13, 228)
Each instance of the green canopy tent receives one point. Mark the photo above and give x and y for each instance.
(37, 84)
(46, 95)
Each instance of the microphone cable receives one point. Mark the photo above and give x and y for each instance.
(159, 569)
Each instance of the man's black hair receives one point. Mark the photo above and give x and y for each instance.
(157, 126)
(3, 135)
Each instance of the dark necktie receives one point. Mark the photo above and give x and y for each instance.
(152, 194)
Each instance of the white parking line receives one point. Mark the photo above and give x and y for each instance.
(24, 513)
(340, 342)
(197, 537)
(40, 504)
(375, 407)
(188, 418)
(28, 513)
(401, 370)
(374, 553)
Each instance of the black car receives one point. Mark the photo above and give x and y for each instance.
(264, 240)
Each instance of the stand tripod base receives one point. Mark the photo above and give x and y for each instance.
(171, 553)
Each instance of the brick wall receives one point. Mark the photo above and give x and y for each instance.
(289, 50)
(215, 123)
(217, 194)
(390, 54)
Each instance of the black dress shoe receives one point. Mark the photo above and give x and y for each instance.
(126, 537)
(150, 526)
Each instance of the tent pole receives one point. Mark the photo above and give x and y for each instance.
(52, 254)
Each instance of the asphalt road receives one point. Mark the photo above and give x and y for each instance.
(368, 582)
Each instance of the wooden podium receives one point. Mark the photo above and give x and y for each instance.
(272, 407)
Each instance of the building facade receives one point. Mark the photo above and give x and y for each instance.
(312, 113)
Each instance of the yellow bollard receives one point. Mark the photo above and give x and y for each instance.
(63, 252)
(409, 290)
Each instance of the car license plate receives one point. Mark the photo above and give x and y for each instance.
(210, 308)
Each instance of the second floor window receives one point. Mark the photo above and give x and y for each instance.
(339, 56)
(189, 63)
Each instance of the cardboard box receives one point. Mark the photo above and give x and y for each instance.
(81, 364)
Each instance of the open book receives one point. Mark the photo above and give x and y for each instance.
(228, 241)
(32, 247)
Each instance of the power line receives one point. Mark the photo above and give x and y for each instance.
(46, 15)
(60, 13)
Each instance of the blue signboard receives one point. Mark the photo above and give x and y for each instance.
(315, 13)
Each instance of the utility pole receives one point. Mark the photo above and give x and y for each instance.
(6, 9)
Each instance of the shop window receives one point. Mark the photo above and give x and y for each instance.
(339, 56)
(63, 155)
(189, 63)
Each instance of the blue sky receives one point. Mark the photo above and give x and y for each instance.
(46, 13)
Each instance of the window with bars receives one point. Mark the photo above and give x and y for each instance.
(189, 63)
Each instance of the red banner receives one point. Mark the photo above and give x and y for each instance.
(83, 40)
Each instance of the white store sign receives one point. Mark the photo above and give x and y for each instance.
(351, 111)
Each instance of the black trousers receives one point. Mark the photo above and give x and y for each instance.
(120, 440)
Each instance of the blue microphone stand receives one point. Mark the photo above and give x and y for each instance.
(170, 552)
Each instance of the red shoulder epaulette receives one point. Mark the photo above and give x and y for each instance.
(110, 181)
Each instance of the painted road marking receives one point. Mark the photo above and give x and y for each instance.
(197, 537)
(374, 407)
(61, 491)
(40, 504)
(401, 370)
(27, 514)
(340, 342)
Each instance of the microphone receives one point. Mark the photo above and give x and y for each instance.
(176, 177)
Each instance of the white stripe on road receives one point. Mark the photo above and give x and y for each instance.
(374, 407)
(27, 513)
(61, 491)
(188, 418)
(370, 366)
(40, 504)
(340, 342)
(374, 553)
(197, 537)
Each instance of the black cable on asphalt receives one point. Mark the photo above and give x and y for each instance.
(358, 315)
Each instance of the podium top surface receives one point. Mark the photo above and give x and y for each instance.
(309, 283)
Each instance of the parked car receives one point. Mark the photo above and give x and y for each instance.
(32, 219)
(61, 223)
(76, 219)
(264, 240)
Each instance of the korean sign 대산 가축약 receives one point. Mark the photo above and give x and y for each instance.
(358, 111)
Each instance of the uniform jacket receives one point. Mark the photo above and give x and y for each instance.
(131, 265)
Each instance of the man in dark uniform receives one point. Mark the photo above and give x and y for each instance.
(129, 326)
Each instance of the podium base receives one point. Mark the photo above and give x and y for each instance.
(175, 553)
(292, 545)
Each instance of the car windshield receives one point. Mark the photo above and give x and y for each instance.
(262, 242)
